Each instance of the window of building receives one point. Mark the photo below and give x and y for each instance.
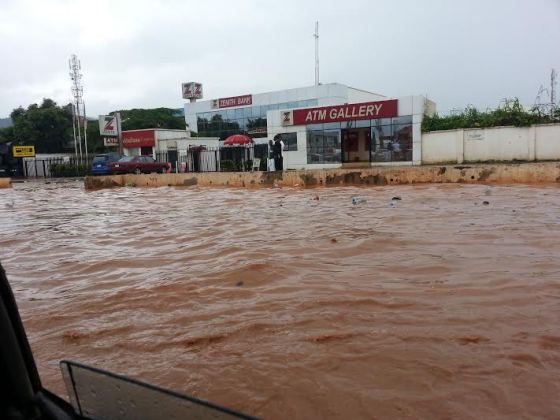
(323, 146)
(290, 141)
(249, 120)
(391, 139)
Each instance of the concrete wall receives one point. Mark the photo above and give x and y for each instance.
(183, 144)
(442, 147)
(492, 144)
(167, 134)
(547, 142)
(358, 95)
(5, 182)
(548, 172)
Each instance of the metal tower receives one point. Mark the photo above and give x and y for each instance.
(316, 36)
(79, 115)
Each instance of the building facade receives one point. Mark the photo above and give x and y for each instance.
(325, 126)
(362, 134)
(151, 141)
(247, 114)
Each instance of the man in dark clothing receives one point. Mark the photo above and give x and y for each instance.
(277, 153)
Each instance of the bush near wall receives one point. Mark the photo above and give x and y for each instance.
(510, 114)
(63, 170)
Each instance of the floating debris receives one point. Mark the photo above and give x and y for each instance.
(358, 200)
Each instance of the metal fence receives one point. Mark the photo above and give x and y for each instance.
(223, 159)
(42, 167)
(195, 159)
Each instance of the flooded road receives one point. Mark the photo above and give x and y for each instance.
(288, 303)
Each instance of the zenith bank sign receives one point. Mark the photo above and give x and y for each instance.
(233, 101)
(347, 112)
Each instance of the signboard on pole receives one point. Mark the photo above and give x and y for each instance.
(192, 90)
(108, 125)
(110, 141)
(23, 151)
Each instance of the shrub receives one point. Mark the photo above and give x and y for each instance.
(511, 113)
(64, 170)
(227, 165)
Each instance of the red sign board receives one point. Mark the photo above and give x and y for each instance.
(233, 101)
(139, 138)
(347, 112)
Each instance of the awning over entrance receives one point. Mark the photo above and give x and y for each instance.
(238, 140)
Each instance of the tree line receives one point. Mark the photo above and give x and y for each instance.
(48, 126)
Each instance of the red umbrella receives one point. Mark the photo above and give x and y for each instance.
(238, 140)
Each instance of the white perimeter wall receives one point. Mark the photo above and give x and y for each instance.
(541, 142)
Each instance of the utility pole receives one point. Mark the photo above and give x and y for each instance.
(316, 36)
(119, 132)
(74, 131)
(552, 91)
(85, 129)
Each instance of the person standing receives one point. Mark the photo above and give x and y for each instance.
(278, 153)
(270, 159)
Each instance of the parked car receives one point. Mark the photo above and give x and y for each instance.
(137, 165)
(100, 163)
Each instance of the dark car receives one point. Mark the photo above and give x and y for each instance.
(100, 163)
(137, 165)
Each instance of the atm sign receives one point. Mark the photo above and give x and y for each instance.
(23, 151)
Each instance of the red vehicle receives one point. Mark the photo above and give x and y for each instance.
(137, 165)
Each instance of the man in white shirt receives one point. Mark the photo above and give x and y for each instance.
(278, 152)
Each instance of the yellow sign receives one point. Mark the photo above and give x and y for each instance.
(23, 151)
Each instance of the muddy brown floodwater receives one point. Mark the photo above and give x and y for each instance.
(282, 305)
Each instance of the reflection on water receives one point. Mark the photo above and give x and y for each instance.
(284, 306)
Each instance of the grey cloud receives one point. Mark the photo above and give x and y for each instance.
(458, 53)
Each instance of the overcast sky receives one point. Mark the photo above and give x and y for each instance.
(136, 53)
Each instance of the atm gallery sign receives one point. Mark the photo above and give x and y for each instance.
(337, 113)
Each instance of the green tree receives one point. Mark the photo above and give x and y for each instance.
(47, 127)
(6, 134)
(137, 119)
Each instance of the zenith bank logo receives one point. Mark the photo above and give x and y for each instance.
(287, 118)
(109, 124)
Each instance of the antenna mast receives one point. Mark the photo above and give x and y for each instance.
(316, 36)
(77, 93)
(553, 89)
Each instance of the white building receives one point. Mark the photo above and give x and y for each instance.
(151, 141)
(325, 126)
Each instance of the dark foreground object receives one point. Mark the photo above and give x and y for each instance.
(93, 393)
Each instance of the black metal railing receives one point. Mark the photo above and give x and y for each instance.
(47, 167)
(222, 159)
